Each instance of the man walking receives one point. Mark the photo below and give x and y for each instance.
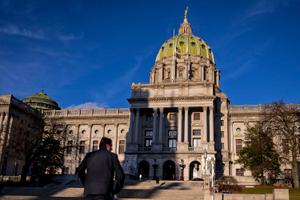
(101, 173)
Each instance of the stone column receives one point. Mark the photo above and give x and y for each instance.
(154, 126)
(116, 138)
(1, 122)
(186, 124)
(179, 125)
(211, 124)
(137, 124)
(160, 131)
(203, 71)
(90, 139)
(205, 124)
(131, 131)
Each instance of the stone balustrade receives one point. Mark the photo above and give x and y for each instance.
(86, 112)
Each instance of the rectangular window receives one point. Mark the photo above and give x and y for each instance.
(95, 145)
(172, 116)
(197, 132)
(222, 145)
(148, 117)
(66, 170)
(172, 133)
(238, 145)
(197, 116)
(82, 147)
(196, 142)
(172, 143)
(121, 146)
(285, 146)
(148, 133)
(69, 147)
(222, 122)
(148, 142)
(239, 172)
(222, 134)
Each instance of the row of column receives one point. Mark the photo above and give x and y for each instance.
(158, 113)
(186, 124)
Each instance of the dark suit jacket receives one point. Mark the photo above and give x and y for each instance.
(97, 172)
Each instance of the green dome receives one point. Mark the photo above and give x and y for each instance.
(41, 101)
(185, 45)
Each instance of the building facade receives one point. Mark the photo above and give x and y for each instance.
(180, 125)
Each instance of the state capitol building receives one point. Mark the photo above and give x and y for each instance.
(180, 125)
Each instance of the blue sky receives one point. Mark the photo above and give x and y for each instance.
(89, 52)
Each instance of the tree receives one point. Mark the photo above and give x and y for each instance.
(45, 150)
(259, 154)
(284, 121)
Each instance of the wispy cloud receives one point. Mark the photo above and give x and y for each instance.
(88, 105)
(69, 37)
(17, 31)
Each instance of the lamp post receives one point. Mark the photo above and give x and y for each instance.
(205, 160)
(154, 169)
(182, 166)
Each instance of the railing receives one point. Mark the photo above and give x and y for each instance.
(169, 149)
(87, 112)
(246, 107)
(144, 148)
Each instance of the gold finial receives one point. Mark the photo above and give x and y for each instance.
(185, 14)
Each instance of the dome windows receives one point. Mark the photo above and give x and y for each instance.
(170, 45)
(193, 44)
(181, 43)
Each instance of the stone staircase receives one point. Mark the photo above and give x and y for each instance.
(133, 190)
(164, 190)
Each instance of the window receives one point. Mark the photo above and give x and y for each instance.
(180, 73)
(193, 44)
(122, 131)
(148, 133)
(82, 147)
(172, 116)
(172, 143)
(196, 142)
(121, 146)
(70, 132)
(96, 131)
(148, 117)
(66, 170)
(222, 145)
(172, 133)
(148, 142)
(222, 134)
(239, 145)
(239, 172)
(222, 122)
(285, 146)
(69, 147)
(95, 145)
(196, 116)
(181, 43)
(109, 131)
(170, 45)
(238, 130)
(197, 132)
(83, 131)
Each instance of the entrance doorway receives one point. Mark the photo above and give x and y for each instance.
(144, 169)
(169, 170)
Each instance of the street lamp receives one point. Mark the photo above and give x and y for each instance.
(182, 166)
(154, 169)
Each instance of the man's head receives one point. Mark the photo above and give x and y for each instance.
(105, 144)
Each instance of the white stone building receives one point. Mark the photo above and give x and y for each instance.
(180, 125)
